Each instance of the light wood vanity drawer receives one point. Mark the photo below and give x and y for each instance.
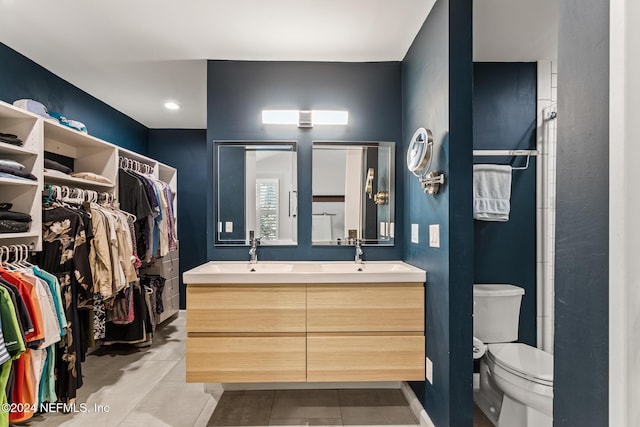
(370, 357)
(365, 307)
(246, 358)
(246, 308)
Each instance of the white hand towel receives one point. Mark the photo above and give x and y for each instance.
(321, 228)
(491, 192)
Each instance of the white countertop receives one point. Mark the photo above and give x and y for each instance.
(304, 272)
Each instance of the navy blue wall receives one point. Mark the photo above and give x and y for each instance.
(504, 118)
(22, 78)
(186, 150)
(437, 94)
(581, 352)
(239, 91)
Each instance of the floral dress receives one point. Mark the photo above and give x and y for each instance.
(65, 253)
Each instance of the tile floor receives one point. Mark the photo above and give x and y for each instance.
(480, 419)
(369, 407)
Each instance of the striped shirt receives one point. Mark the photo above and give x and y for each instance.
(4, 354)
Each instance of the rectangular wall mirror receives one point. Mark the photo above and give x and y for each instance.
(256, 192)
(353, 192)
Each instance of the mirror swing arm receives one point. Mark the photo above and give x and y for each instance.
(419, 159)
(381, 197)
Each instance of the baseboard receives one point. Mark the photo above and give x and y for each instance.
(416, 406)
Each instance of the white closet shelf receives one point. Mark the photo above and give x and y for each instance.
(71, 137)
(12, 112)
(18, 235)
(15, 149)
(78, 182)
(11, 181)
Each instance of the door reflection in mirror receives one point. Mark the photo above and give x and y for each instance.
(257, 186)
(353, 189)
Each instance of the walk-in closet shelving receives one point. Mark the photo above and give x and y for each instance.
(89, 154)
(85, 153)
(24, 195)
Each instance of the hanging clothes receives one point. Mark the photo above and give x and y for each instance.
(133, 199)
(136, 332)
(22, 386)
(151, 201)
(27, 303)
(65, 254)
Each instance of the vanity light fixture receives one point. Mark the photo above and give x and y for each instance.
(172, 105)
(305, 118)
(280, 117)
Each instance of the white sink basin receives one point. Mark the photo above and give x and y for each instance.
(303, 272)
(366, 267)
(245, 267)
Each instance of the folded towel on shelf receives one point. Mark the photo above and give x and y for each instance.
(491, 192)
(17, 172)
(52, 164)
(10, 138)
(11, 226)
(92, 177)
(11, 163)
(15, 216)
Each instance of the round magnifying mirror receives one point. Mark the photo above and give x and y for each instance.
(420, 151)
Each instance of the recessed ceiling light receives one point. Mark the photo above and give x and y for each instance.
(171, 105)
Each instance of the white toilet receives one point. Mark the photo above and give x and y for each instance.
(516, 380)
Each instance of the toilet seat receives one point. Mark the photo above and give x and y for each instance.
(523, 361)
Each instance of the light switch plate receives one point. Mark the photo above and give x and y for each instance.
(415, 233)
(434, 235)
(428, 371)
(228, 227)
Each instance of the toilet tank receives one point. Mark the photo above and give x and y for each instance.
(496, 312)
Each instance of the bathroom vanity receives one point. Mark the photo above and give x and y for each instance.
(305, 322)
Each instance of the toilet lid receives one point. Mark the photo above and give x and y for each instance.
(524, 361)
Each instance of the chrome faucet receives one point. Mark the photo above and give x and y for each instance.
(359, 253)
(253, 252)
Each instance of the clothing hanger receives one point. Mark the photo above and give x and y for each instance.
(24, 259)
(17, 257)
(12, 265)
(3, 250)
(129, 215)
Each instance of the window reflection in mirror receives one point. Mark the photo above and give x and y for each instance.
(256, 193)
(353, 192)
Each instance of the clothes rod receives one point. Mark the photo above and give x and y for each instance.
(505, 152)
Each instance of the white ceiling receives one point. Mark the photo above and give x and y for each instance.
(135, 55)
(515, 30)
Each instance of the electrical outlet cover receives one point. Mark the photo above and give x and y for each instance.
(434, 235)
(415, 233)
